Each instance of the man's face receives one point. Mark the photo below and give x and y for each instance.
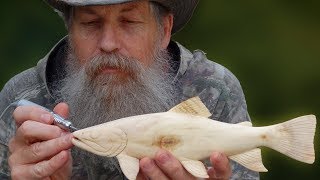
(118, 64)
(128, 29)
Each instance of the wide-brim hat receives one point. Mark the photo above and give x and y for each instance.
(181, 9)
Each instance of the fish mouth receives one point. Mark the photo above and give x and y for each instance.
(79, 143)
(111, 149)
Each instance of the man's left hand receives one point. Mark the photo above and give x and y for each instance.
(165, 166)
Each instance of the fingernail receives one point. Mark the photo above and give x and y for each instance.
(215, 157)
(67, 139)
(62, 155)
(64, 133)
(218, 155)
(68, 136)
(163, 158)
(46, 118)
(148, 165)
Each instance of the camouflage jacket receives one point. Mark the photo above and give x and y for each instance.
(218, 88)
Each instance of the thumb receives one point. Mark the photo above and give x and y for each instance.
(221, 166)
(62, 109)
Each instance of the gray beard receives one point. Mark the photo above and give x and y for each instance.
(95, 98)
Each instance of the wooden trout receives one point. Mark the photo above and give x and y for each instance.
(188, 133)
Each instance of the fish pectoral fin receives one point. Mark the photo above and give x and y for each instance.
(196, 168)
(251, 160)
(129, 166)
(192, 106)
(245, 123)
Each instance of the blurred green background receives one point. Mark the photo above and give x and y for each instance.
(273, 47)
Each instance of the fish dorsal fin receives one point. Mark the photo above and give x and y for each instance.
(192, 106)
(251, 160)
(129, 166)
(245, 123)
(196, 168)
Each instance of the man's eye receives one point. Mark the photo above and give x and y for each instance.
(90, 23)
(128, 21)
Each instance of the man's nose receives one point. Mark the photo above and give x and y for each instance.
(109, 41)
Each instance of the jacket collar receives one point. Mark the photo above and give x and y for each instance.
(42, 65)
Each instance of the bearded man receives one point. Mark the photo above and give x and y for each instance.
(118, 60)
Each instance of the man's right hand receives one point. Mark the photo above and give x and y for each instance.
(40, 150)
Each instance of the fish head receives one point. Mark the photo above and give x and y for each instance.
(103, 141)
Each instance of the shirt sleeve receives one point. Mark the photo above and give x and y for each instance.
(7, 129)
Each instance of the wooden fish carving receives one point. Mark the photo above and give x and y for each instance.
(188, 133)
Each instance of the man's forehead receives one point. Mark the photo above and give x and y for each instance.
(123, 7)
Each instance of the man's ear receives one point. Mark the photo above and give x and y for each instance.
(167, 28)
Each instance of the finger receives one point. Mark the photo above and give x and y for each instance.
(14, 145)
(42, 169)
(25, 113)
(171, 166)
(221, 167)
(62, 109)
(151, 170)
(65, 171)
(31, 131)
(41, 150)
(141, 176)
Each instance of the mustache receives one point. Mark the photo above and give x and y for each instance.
(127, 65)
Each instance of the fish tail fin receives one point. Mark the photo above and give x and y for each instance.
(295, 138)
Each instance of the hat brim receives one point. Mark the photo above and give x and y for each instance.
(182, 9)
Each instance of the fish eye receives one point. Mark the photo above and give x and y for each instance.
(95, 135)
